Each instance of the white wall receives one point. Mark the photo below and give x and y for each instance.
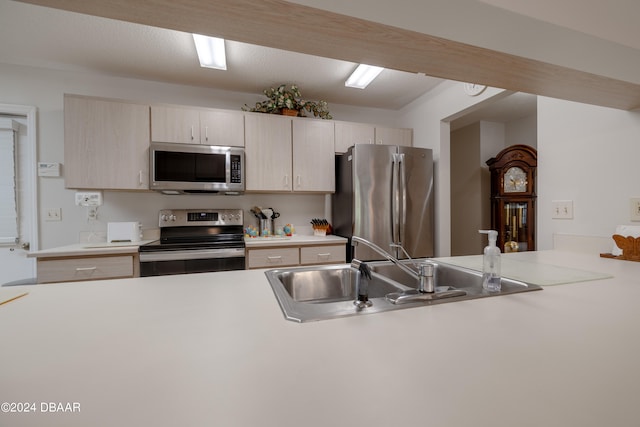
(590, 155)
(522, 131)
(429, 116)
(586, 153)
(471, 147)
(466, 189)
(44, 89)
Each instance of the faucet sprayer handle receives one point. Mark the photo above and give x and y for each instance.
(365, 270)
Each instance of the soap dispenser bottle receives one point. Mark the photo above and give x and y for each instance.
(491, 263)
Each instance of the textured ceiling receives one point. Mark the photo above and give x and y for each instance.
(43, 37)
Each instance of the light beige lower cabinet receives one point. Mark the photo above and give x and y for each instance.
(73, 269)
(273, 257)
(278, 256)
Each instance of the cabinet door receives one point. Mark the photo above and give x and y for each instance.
(394, 136)
(334, 254)
(267, 152)
(101, 134)
(272, 257)
(220, 127)
(85, 268)
(175, 124)
(348, 134)
(313, 155)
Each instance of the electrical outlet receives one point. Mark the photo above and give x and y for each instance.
(634, 206)
(562, 209)
(54, 214)
(89, 198)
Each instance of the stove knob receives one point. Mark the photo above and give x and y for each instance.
(164, 217)
(172, 218)
(223, 217)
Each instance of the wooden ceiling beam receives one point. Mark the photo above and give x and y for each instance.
(288, 26)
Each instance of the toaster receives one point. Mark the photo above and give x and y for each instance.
(124, 232)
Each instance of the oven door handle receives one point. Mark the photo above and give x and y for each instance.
(190, 254)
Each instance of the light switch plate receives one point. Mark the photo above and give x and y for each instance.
(562, 209)
(634, 207)
(53, 214)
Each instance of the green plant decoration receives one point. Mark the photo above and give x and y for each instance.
(284, 97)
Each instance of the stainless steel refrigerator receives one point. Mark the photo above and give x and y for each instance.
(384, 193)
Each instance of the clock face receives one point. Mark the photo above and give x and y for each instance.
(515, 180)
(473, 89)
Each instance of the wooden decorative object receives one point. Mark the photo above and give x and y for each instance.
(630, 248)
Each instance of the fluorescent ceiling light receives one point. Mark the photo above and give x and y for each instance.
(362, 76)
(210, 52)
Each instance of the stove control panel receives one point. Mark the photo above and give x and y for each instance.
(200, 217)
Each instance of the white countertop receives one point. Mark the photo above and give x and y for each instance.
(296, 240)
(80, 249)
(214, 349)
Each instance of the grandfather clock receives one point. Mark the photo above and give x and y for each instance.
(513, 197)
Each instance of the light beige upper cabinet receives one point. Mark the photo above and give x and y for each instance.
(348, 134)
(222, 127)
(175, 124)
(101, 134)
(284, 154)
(185, 125)
(394, 136)
(313, 155)
(268, 152)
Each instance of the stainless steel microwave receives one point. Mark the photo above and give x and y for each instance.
(196, 168)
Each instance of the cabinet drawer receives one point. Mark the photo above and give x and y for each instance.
(322, 254)
(275, 257)
(87, 268)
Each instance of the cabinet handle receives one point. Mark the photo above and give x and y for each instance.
(192, 134)
(140, 183)
(286, 180)
(206, 133)
(274, 258)
(324, 255)
(86, 268)
(298, 180)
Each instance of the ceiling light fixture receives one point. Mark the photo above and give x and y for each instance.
(210, 52)
(362, 76)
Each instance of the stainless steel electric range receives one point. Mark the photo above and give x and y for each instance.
(195, 241)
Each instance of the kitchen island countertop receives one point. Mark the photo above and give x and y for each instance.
(215, 349)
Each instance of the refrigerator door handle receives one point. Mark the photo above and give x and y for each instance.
(395, 202)
(402, 217)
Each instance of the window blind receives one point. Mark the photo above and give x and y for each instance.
(8, 205)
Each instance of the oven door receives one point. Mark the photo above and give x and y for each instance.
(166, 262)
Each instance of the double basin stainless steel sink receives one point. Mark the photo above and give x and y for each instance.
(327, 292)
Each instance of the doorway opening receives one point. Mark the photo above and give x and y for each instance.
(16, 267)
(475, 138)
